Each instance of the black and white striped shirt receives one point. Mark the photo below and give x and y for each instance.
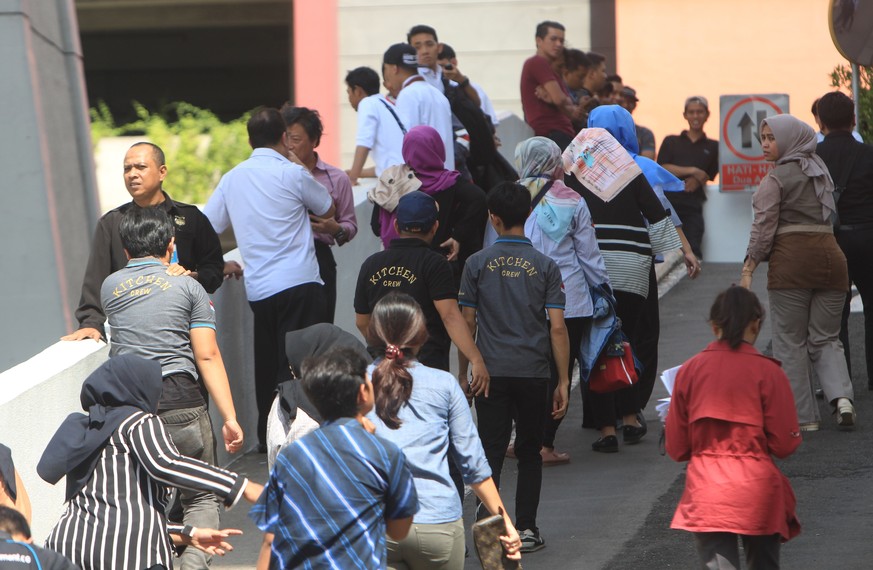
(117, 520)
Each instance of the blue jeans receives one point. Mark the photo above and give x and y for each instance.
(191, 432)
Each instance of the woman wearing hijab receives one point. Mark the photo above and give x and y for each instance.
(621, 201)
(292, 415)
(463, 213)
(12, 491)
(620, 124)
(560, 226)
(808, 278)
(119, 462)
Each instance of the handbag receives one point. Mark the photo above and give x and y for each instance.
(614, 370)
(489, 549)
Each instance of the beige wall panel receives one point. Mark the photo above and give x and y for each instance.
(492, 40)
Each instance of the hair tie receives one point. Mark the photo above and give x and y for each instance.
(392, 352)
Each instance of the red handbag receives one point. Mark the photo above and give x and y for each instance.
(612, 372)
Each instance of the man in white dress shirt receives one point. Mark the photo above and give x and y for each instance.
(418, 102)
(268, 200)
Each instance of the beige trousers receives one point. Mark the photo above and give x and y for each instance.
(806, 328)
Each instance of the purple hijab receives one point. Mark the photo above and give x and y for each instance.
(425, 153)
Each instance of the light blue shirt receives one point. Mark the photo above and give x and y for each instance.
(436, 412)
(267, 200)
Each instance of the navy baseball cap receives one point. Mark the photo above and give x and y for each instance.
(403, 55)
(416, 212)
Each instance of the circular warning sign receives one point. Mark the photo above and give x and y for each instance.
(742, 124)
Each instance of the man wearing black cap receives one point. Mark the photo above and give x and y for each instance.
(410, 266)
(418, 103)
(692, 157)
(645, 137)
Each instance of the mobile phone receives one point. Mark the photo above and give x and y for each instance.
(448, 66)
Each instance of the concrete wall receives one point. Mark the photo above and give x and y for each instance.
(492, 40)
(48, 188)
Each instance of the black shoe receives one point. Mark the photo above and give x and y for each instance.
(608, 444)
(633, 434)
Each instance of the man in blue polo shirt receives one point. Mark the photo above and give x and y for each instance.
(268, 200)
(507, 290)
(334, 494)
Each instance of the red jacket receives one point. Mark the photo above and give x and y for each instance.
(731, 410)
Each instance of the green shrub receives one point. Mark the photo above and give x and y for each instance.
(199, 147)
(842, 79)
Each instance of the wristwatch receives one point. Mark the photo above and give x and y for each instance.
(340, 235)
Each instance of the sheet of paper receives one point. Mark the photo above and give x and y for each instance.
(668, 378)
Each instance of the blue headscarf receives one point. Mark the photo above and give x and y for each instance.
(618, 121)
(122, 386)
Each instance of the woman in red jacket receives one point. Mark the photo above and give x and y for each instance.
(732, 409)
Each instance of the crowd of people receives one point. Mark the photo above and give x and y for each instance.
(371, 446)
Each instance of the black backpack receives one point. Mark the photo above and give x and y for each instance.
(477, 123)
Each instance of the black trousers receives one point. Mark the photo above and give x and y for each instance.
(607, 408)
(645, 342)
(574, 329)
(525, 400)
(720, 551)
(560, 138)
(327, 270)
(275, 316)
(856, 245)
(689, 208)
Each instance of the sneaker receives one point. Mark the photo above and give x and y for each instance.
(531, 541)
(633, 434)
(608, 444)
(809, 426)
(845, 413)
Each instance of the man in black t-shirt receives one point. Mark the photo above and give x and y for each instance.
(693, 158)
(410, 266)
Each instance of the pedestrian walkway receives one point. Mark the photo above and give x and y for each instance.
(612, 511)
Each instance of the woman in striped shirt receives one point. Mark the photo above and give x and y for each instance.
(621, 200)
(119, 462)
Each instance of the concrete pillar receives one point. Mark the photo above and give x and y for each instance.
(48, 185)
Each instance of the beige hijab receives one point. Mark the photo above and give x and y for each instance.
(796, 142)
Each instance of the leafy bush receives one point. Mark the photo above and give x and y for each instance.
(199, 148)
(842, 79)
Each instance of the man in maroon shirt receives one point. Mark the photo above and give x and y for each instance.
(551, 120)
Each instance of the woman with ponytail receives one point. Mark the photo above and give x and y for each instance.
(732, 410)
(424, 411)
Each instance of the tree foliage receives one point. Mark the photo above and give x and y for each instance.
(841, 78)
(199, 148)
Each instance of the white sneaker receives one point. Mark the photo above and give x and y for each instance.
(845, 413)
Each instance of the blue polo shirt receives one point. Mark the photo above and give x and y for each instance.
(329, 495)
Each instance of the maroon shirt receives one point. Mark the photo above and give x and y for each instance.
(542, 117)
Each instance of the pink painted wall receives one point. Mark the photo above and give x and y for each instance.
(670, 49)
(316, 76)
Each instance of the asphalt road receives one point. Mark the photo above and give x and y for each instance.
(613, 511)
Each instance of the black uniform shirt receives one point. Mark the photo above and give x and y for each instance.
(410, 266)
(197, 247)
(856, 201)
